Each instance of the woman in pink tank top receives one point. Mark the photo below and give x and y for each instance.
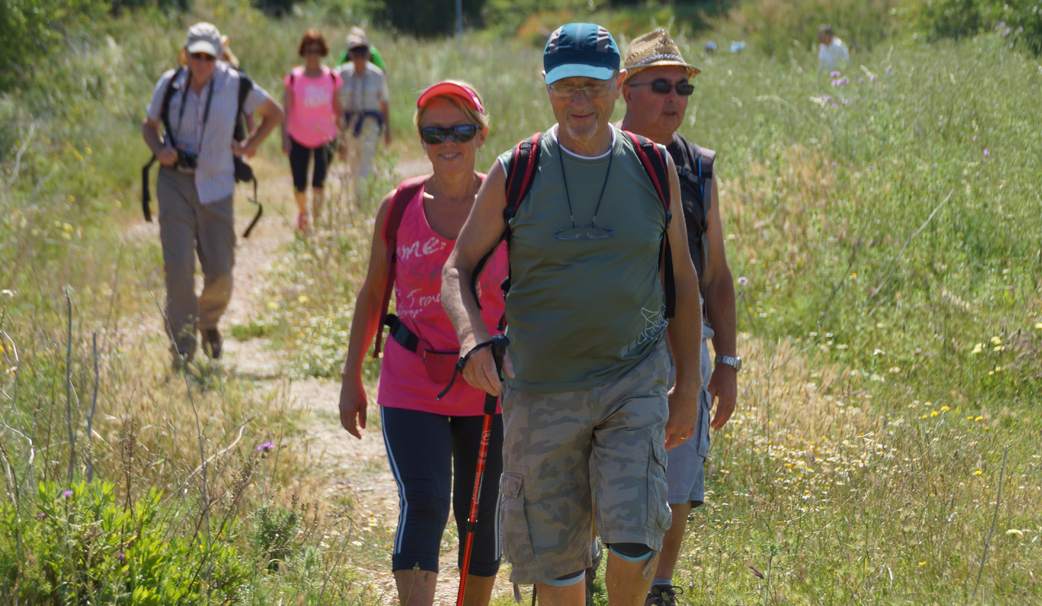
(310, 127)
(432, 444)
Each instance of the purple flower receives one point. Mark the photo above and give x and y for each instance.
(834, 106)
(66, 494)
(742, 281)
(121, 556)
(833, 165)
(1020, 30)
(1006, 32)
(871, 168)
(987, 154)
(889, 70)
(266, 447)
(834, 74)
(860, 80)
(847, 101)
(826, 98)
(41, 516)
(974, 138)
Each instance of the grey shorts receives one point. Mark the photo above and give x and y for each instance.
(564, 451)
(685, 470)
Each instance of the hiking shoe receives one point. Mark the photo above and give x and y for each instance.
(597, 553)
(663, 595)
(212, 342)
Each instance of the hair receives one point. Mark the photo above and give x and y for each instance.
(313, 36)
(472, 115)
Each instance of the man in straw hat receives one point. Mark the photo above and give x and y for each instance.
(586, 411)
(365, 102)
(656, 90)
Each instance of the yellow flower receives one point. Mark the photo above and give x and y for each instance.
(925, 416)
(979, 347)
(1038, 325)
(979, 419)
(978, 472)
(934, 413)
(996, 341)
(272, 305)
(302, 299)
(922, 563)
(945, 409)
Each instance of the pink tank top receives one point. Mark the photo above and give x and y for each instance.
(404, 382)
(312, 122)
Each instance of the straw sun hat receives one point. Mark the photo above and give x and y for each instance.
(653, 49)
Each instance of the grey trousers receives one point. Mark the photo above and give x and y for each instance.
(187, 227)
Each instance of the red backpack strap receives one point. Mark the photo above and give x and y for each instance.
(520, 173)
(399, 203)
(653, 159)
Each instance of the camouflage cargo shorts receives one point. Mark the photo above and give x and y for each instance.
(564, 451)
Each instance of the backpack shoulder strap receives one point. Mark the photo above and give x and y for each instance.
(164, 118)
(653, 159)
(245, 86)
(399, 203)
(520, 171)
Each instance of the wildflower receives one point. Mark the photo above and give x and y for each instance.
(1038, 325)
(302, 299)
(979, 419)
(41, 516)
(272, 305)
(979, 347)
(266, 447)
(860, 80)
(987, 153)
(834, 74)
(978, 472)
(934, 413)
(945, 409)
(66, 494)
(121, 556)
(922, 563)
(742, 281)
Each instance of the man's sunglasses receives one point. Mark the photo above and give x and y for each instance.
(663, 86)
(460, 134)
(203, 57)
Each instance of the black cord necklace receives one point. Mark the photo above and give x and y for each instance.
(598, 232)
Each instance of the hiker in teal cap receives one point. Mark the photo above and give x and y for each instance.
(587, 415)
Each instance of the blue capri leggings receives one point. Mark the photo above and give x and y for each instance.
(428, 454)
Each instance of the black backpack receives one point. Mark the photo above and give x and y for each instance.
(243, 171)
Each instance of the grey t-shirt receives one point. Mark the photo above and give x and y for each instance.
(583, 312)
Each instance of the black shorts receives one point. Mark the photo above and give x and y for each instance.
(300, 157)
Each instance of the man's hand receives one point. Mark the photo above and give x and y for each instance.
(246, 149)
(353, 406)
(480, 371)
(723, 387)
(683, 416)
(167, 156)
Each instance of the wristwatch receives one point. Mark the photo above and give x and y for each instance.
(733, 362)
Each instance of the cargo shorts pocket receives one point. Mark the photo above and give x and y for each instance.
(659, 515)
(517, 539)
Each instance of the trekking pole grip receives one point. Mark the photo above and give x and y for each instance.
(499, 349)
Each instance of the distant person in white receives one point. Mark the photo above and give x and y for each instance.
(831, 52)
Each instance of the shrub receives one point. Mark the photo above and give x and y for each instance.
(1015, 19)
(429, 17)
(33, 29)
(773, 25)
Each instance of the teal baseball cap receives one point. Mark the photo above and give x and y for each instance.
(580, 50)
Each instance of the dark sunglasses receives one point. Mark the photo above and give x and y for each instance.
(663, 86)
(203, 57)
(359, 50)
(460, 134)
(313, 50)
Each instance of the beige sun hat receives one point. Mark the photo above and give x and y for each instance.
(653, 49)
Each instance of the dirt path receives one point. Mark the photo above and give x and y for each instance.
(343, 466)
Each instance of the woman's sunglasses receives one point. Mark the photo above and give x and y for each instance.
(460, 134)
(203, 57)
(663, 86)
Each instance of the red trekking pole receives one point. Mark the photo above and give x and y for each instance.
(499, 345)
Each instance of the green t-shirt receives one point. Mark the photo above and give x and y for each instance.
(582, 312)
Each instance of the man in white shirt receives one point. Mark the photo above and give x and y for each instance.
(831, 52)
(364, 99)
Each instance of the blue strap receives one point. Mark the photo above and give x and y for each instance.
(362, 115)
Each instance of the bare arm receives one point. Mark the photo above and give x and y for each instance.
(364, 324)
(685, 329)
(150, 132)
(720, 309)
(480, 234)
(271, 116)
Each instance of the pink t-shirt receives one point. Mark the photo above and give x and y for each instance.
(404, 382)
(312, 121)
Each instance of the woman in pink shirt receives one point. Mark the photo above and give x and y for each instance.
(311, 122)
(426, 437)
